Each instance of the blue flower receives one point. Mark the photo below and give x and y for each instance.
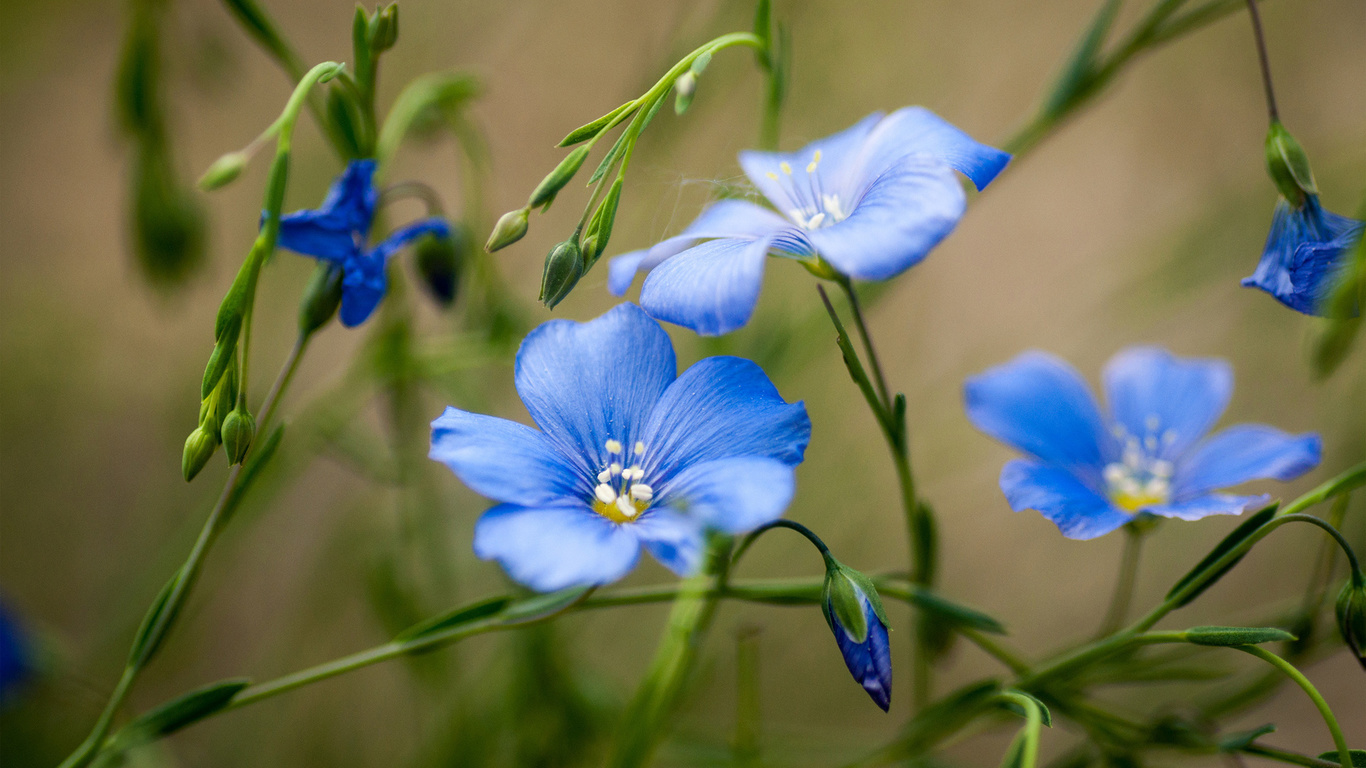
(628, 454)
(1304, 254)
(869, 203)
(338, 232)
(1091, 473)
(866, 648)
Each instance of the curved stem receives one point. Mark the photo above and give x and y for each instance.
(1264, 60)
(753, 535)
(1124, 585)
(1030, 731)
(1344, 754)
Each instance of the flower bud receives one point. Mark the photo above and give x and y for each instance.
(510, 228)
(439, 258)
(321, 298)
(1288, 165)
(239, 429)
(383, 30)
(199, 448)
(600, 226)
(854, 612)
(224, 171)
(563, 268)
(684, 88)
(1351, 613)
(554, 181)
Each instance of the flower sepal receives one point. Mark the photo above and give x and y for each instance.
(1288, 165)
(1351, 615)
(563, 268)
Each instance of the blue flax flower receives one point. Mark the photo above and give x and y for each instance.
(338, 232)
(628, 454)
(869, 203)
(1091, 473)
(1304, 254)
(868, 658)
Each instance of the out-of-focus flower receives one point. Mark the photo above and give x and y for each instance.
(629, 454)
(1091, 473)
(1304, 255)
(868, 203)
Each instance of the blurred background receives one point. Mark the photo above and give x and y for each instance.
(1131, 224)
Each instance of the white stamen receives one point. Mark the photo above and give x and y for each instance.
(787, 169)
(604, 475)
(640, 447)
(816, 220)
(634, 473)
(1169, 437)
(605, 493)
(1162, 468)
(772, 175)
(614, 446)
(1152, 422)
(1150, 443)
(614, 468)
(626, 507)
(642, 492)
(815, 160)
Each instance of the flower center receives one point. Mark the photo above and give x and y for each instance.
(620, 496)
(1140, 478)
(810, 208)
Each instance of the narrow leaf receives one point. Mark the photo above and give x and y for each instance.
(1242, 739)
(1231, 541)
(541, 606)
(462, 615)
(1018, 708)
(178, 713)
(954, 613)
(1358, 757)
(152, 629)
(1226, 636)
(585, 132)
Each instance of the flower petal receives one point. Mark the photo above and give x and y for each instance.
(870, 662)
(1040, 405)
(1173, 401)
(897, 221)
(1213, 504)
(676, 540)
(918, 131)
(1304, 251)
(319, 234)
(733, 495)
(364, 281)
(1078, 511)
(553, 548)
(505, 461)
(587, 383)
(719, 408)
(1242, 453)
(838, 155)
(710, 288)
(352, 197)
(408, 233)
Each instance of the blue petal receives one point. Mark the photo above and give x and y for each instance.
(1242, 453)
(918, 131)
(352, 197)
(15, 664)
(553, 548)
(587, 383)
(726, 218)
(1153, 394)
(1213, 504)
(1077, 510)
(870, 662)
(1040, 405)
(1304, 252)
(364, 281)
(677, 541)
(318, 234)
(408, 233)
(903, 215)
(791, 188)
(734, 495)
(719, 408)
(505, 461)
(710, 288)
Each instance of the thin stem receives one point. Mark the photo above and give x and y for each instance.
(780, 523)
(1344, 754)
(873, 362)
(995, 650)
(1124, 585)
(1286, 756)
(282, 381)
(90, 747)
(1264, 60)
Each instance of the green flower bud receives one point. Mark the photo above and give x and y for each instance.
(383, 31)
(1288, 165)
(841, 605)
(321, 298)
(510, 228)
(563, 268)
(1351, 613)
(600, 226)
(239, 429)
(224, 171)
(199, 448)
(439, 260)
(684, 88)
(554, 181)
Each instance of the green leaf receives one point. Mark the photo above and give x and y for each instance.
(462, 615)
(954, 613)
(1229, 543)
(1243, 739)
(1358, 757)
(1078, 74)
(699, 64)
(152, 629)
(609, 159)
(180, 712)
(1018, 708)
(1014, 757)
(541, 606)
(1232, 636)
(585, 132)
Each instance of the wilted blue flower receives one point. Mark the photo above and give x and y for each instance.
(1304, 254)
(1091, 473)
(854, 612)
(870, 202)
(628, 453)
(338, 232)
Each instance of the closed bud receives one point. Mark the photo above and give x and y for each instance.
(684, 88)
(600, 226)
(510, 228)
(199, 448)
(224, 171)
(239, 429)
(439, 260)
(383, 31)
(1288, 165)
(1351, 614)
(321, 298)
(853, 609)
(563, 268)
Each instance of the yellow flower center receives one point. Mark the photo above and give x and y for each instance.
(620, 495)
(1140, 479)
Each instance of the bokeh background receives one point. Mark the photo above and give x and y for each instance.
(1131, 224)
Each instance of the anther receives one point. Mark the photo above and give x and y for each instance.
(604, 475)
(640, 447)
(614, 468)
(815, 160)
(605, 494)
(614, 446)
(787, 169)
(626, 507)
(642, 492)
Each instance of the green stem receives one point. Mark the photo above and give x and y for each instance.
(1344, 754)
(1345, 482)
(1124, 585)
(1263, 60)
(89, 748)
(1286, 756)
(1030, 732)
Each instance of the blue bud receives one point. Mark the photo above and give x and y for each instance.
(854, 612)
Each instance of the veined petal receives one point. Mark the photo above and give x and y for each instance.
(719, 408)
(505, 461)
(733, 495)
(408, 233)
(1213, 504)
(1242, 453)
(352, 197)
(870, 662)
(710, 288)
(918, 131)
(725, 218)
(677, 541)
(905, 213)
(587, 383)
(319, 234)
(364, 281)
(1163, 402)
(1040, 405)
(1078, 511)
(1303, 253)
(778, 175)
(553, 548)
